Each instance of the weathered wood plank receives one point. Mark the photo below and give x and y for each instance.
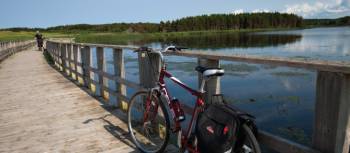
(85, 54)
(116, 94)
(332, 113)
(75, 55)
(148, 64)
(149, 69)
(330, 66)
(100, 63)
(118, 79)
(212, 86)
(63, 57)
(103, 45)
(282, 145)
(320, 65)
(10, 48)
(69, 57)
(119, 72)
(57, 116)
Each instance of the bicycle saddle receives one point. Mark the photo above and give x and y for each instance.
(209, 72)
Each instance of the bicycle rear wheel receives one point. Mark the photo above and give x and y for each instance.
(250, 144)
(148, 122)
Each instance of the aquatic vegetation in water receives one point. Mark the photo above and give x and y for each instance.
(269, 67)
(280, 99)
(296, 134)
(188, 67)
(240, 70)
(231, 100)
(301, 57)
(289, 73)
(294, 99)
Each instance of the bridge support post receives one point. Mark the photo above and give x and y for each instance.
(69, 59)
(100, 63)
(85, 55)
(63, 56)
(65, 59)
(59, 56)
(149, 69)
(213, 85)
(332, 110)
(57, 48)
(75, 55)
(119, 71)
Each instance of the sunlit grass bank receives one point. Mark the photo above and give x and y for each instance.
(14, 36)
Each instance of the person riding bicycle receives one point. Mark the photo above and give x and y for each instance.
(39, 39)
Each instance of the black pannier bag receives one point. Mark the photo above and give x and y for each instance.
(216, 129)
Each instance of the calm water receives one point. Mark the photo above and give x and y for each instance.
(281, 98)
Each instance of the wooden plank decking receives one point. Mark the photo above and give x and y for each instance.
(41, 111)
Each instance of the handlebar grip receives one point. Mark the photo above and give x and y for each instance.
(143, 49)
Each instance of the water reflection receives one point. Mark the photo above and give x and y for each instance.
(319, 43)
(282, 98)
(222, 40)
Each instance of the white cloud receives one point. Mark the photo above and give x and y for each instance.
(261, 10)
(239, 11)
(332, 9)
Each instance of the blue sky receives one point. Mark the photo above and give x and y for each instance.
(45, 13)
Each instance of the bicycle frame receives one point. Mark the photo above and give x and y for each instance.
(161, 90)
(199, 103)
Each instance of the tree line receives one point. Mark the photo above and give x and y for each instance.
(233, 21)
(202, 23)
(343, 21)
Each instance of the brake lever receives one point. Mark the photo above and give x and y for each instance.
(143, 49)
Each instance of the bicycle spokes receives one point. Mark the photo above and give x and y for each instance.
(147, 123)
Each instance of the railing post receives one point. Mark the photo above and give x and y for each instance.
(69, 58)
(75, 55)
(80, 60)
(58, 55)
(85, 55)
(100, 63)
(62, 56)
(119, 71)
(149, 68)
(331, 128)
(56, 49)
(65, 59)
(212, 86)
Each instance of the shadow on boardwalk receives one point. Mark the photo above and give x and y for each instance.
(119, 132)
(41, 111)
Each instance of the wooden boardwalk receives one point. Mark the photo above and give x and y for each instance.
(41, 111)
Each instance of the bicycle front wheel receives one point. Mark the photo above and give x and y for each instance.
(148, 122)
(250, 144)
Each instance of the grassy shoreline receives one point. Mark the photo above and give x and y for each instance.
(123, 37)
(23, 35)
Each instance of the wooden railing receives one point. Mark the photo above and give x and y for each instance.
(9, 48)
(331, 124)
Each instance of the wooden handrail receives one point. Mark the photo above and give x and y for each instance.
(333, 77)
(9, 48)
(320, 65)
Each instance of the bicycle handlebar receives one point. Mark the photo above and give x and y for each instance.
(159, 52)
(150, 50)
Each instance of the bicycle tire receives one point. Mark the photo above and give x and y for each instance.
(162, 147)
(251, 139)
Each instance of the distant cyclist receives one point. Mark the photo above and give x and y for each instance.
(39, 40)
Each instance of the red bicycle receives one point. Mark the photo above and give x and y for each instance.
(149, 114)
